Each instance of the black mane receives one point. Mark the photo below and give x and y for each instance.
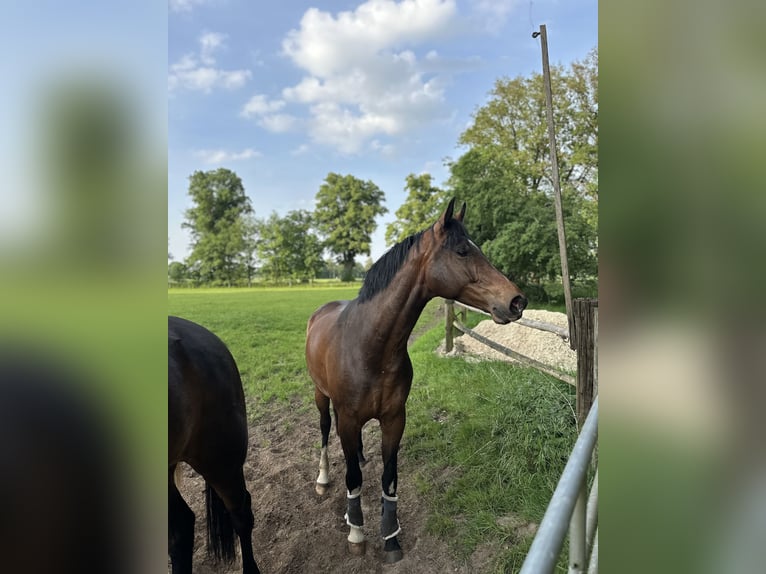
(383, 271)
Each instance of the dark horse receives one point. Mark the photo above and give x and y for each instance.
(207, 428)
(356, 351)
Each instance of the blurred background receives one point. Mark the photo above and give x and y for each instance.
(82, 286)
(683, 239)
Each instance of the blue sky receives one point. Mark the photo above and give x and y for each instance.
(285, 92)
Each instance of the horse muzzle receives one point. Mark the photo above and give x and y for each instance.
(513, 312)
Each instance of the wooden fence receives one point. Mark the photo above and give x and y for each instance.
(584, 332)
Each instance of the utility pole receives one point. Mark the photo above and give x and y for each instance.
(556, 183)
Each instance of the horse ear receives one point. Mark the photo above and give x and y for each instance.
(447, 215)
(461, 214)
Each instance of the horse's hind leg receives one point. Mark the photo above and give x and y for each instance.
(323, 404)
(231, 488)
(360, 454)
(180, 530)
(349, 430)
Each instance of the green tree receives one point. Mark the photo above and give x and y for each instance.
(177, 273)
(331, 269)
(218, 226)
(345, 215)
(248, 257)
(423, 205)
(288, 247)
(505, 174)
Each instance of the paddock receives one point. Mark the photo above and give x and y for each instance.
(297, 531)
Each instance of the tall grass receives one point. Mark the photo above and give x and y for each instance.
(491, 440)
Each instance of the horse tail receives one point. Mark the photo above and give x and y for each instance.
(220, 530)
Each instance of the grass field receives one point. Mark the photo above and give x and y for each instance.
(265, 330)
(489, 440)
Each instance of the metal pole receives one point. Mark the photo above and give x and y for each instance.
(591, 521)
(593, 567)
(546, 546)
(577, 540)
(556, 182)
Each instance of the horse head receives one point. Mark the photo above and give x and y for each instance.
(457, 269)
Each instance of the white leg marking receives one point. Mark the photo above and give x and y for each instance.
(324, 468)
(355, 536)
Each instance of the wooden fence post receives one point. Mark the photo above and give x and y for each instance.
(583, 330)
(449, 314)
(585, 343)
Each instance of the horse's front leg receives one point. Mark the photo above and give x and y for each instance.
(392, 428)
(323, 404)
(349, 431)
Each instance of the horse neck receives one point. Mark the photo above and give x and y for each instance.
(399, 307)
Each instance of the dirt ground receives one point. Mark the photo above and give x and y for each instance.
(297, 531)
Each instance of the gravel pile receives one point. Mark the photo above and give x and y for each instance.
(547, 348)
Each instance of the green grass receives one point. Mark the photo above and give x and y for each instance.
(487, 441)
(265, 329)
(492, 440)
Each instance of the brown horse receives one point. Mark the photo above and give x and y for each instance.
(207, 428)
(356, 351)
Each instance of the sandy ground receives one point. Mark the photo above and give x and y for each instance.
(547, 348)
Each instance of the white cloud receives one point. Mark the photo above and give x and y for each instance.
(199, 72)
(260, 104)
(364, 77)
(264, 110)
(209, 43)
(300, 150)
(383, 149)
(325, 45)
(185, 5)
(278, 123)
(220, 156)
(493, 14)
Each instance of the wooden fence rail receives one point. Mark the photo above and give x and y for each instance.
(453, 323)
(562, 332)
(529, 361)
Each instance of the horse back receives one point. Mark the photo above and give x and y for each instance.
(206, 403)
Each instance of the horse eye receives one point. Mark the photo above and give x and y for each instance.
(462, 251)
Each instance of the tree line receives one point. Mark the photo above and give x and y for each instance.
(230, 246)
(503, 175)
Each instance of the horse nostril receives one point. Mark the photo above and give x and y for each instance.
(518, 304)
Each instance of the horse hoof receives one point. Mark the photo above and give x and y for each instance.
(322, 489)
(392, 556)
(357, 548)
